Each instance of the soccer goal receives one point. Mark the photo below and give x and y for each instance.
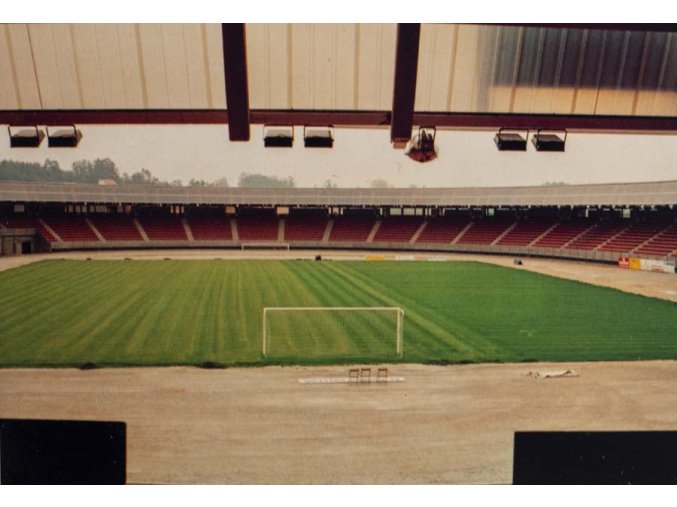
(333, 333)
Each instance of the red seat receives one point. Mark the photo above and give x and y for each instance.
(258, 226)
(524, 233)
(484, 232)
(443, 229)
(210, 228)
(305, 226)
(398, 229)
(163, 228)
(352, 228)
(116, 228)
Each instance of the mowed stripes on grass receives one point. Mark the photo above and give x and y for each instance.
(66, 312)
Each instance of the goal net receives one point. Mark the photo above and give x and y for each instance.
(333, 333)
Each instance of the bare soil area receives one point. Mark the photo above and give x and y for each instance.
(447, 425)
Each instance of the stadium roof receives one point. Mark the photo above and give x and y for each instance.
(620, 194)
(588, 77)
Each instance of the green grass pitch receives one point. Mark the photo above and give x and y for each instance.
(67, 313)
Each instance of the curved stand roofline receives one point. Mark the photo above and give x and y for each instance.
(661, 193)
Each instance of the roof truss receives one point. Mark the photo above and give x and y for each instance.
(340, 119)
(404, 93)
(237, 89)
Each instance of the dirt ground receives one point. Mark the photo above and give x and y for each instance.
(446, 425)
(259, 425)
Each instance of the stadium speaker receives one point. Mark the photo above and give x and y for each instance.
(549, 141)
(318, 137)
(422, 147)
(63, 137)
(511, 140)
(278, 136)
(25, 137)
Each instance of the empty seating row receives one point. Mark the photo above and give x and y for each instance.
(25, 222)
(484, 232)
(352, 228)
(71, 228)
(595, 236)
(524, 233)
(116, 228)
(206, 228)
(262, 226)
(563, 233)
(662, 244)
(305, 226)
(163, 228)
(656, 237)
(443, 229)
(632, 237)
(398, 229)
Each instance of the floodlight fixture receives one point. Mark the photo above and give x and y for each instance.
(63, 136)
(278, 136)
(318, 136)
(28, 136)
(422, 147)
(549, 140)
(511, 139)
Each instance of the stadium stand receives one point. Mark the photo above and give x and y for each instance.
(398, 229)
(354, 225)
(443, 229)
(486, 231)
(651, 235)
(595, 236)
(205, 227)
(71, 228)
(26, 222)
(663, 244)
(524, 233)
(632, 237)
(116, 227)
(563, 233)
(306, 225)
(601, 233)
(258, 225)
(163, 228)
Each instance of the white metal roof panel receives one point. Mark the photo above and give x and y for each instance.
(621, 194)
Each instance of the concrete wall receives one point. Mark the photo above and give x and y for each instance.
(11, 241)
(588, 255)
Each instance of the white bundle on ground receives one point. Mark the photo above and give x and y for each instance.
(553, 374)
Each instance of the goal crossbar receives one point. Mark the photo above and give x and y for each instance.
(398, 311)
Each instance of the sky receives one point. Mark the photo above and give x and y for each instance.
(359, 156)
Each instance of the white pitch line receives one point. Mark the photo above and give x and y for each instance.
(346, 380)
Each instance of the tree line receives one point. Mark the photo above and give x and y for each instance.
(94, 171)
(82, 171)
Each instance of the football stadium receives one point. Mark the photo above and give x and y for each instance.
(338, 334)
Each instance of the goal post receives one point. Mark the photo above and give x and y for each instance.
(333, 333)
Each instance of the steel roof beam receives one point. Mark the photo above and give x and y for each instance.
(237, 90)
(469, 121)
(404, 93)
(625, 27)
